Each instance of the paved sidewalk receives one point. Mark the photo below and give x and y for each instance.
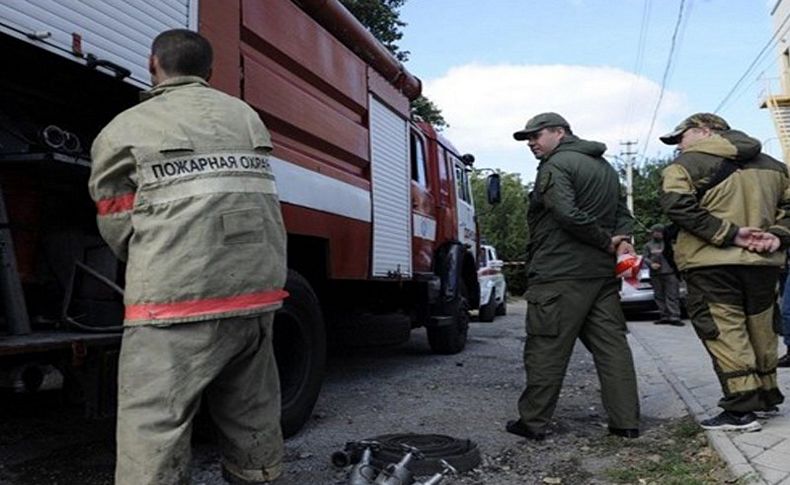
(759, 457)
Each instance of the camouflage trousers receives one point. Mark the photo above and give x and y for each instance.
(164, 372)
(559, 313)
(733, 310)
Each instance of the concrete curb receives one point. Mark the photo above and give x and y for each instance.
(738, 464)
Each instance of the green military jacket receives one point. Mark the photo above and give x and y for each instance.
(575, 209)
(757, 194)
(185, 194)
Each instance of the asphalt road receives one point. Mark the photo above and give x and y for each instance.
(367, 392)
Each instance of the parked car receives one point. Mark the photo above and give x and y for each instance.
(493, 288)
(636, 295)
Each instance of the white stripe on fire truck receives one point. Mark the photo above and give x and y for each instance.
(307, 188)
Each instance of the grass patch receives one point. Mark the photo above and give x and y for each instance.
(673, 454)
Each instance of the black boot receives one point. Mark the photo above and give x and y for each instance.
(784, 361)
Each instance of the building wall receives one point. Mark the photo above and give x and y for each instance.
(779, 13)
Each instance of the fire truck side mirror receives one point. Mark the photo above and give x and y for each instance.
(468, 159)
(493, 189)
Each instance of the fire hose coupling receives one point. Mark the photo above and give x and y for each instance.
(364, 472)
(395, 459)
(399, 473)
(352, 452)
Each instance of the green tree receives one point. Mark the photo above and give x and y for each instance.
(505, 225)
(646, 191)
(382, 19)
(423, 109)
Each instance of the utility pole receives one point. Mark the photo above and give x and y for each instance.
(628, 155)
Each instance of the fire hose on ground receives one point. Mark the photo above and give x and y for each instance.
(397, 459)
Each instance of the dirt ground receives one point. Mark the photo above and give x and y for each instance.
(401, 389)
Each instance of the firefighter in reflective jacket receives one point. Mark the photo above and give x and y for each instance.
(185, 195)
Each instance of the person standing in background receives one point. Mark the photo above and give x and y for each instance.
(784, 361)
(666, 286)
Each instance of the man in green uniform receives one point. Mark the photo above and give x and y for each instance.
(732, 204)
(663, 278)
(578, 223)
(185, 195)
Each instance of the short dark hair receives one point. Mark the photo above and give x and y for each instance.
(182, 52)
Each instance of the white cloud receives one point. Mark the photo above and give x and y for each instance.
(485, 104)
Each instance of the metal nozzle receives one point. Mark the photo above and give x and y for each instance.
(434, 480)
(363, 472)
(399, 473)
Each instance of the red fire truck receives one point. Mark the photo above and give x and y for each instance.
(381, 227)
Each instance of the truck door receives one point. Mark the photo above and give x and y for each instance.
(389, 154)
(422, 206)
(467, 232)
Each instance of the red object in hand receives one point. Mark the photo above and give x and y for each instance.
(628, 266)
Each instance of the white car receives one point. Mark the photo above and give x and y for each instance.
(636, 295)
(493, 289)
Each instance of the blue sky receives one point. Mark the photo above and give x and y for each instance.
(490, 65)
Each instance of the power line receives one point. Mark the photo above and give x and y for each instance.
(637, 69)
(681, 34)
(760, 77)
(749, 69)
(672, 46)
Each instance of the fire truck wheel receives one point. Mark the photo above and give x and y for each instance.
(300, 349)
(451, 339)
(488, 310)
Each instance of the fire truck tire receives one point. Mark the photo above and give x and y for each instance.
(451, 339)
(300, 350)
(488, 310)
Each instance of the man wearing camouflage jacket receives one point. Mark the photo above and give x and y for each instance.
(731, 203)
(186, 197)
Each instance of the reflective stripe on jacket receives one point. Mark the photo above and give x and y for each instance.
(184, 193)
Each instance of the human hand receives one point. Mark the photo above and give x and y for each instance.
(655, 265)
(746, 238)
(756, 240)
(625, 247)
(765, 242)
(617, 242)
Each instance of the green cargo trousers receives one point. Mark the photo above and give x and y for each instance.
(733, 310)
(163, 374)
(559, 312)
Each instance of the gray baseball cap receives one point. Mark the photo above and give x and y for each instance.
(538, 122)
